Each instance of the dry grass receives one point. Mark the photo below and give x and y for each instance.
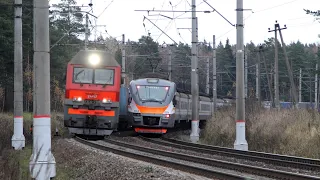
(291, 132)
(11, 159)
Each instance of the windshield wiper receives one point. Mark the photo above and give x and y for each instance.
(151, 100)
(78, 74)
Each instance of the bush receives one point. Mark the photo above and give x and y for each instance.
(291, 132)
(11, 159)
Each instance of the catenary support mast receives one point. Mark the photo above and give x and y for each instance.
(258, 79)
(276, 67)
(170, 64)
(42, 162)
(194, 136)
(214, 72)
(207, 76)
(316, 88)
(86, 41)
(123, 61)
(18, 139)
(241, 142)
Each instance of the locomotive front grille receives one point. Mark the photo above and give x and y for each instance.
(151, 120)
(88, 102)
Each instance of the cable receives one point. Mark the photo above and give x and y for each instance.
(225, 34)
(256, 12)
(218, 13)
(275, 6)
(165, 29)
(159, 14)
(105, 8)
(178, 3)
(174, 18)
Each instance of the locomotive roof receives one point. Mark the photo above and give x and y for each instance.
(82, 57)
(144, 81)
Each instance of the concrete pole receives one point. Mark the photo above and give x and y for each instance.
(258, 84)
(42, 163)
(214, 72)
(123, 61)
(289, 67)
(194, 136)
(246, 73)
(18, 139)
(300, 85)
(318, 98)
(86, 32)
(241, 142)
(316, 89)
(310, 91)
(276, 71)
(208, 76)
(268, 78)
(170, 64)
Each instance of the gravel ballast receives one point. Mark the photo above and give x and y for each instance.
(140, 142)
(182, 161)
(86, 162)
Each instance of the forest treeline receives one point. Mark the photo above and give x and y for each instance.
(68, 23)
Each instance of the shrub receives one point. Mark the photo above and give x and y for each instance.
(11, 159)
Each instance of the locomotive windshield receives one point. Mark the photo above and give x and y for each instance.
(103, 76)
(82, 75)
(152, 93)
(93, 76)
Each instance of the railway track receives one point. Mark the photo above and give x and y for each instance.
(282, 160)
(206, 172)
(259, 171)
(163, 162)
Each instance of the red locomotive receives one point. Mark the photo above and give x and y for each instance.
(91, 104)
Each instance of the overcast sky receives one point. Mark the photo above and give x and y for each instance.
(120, 17)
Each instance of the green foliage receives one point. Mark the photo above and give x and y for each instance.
(65, 21)
(226, 63)
(181, 62)
(146, 46)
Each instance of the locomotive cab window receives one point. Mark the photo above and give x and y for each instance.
(82, 75)
(97, 76)
(104, 76)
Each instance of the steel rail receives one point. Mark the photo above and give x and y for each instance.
(175, 165)
(269, 160)
(271, 173)
(250, 153)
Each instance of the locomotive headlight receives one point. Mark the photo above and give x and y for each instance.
(77, 99)
(104, 100)
(94, 59)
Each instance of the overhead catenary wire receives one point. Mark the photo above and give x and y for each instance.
(218, 13)
(159, 14)
(105, 8)
(177, 17)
